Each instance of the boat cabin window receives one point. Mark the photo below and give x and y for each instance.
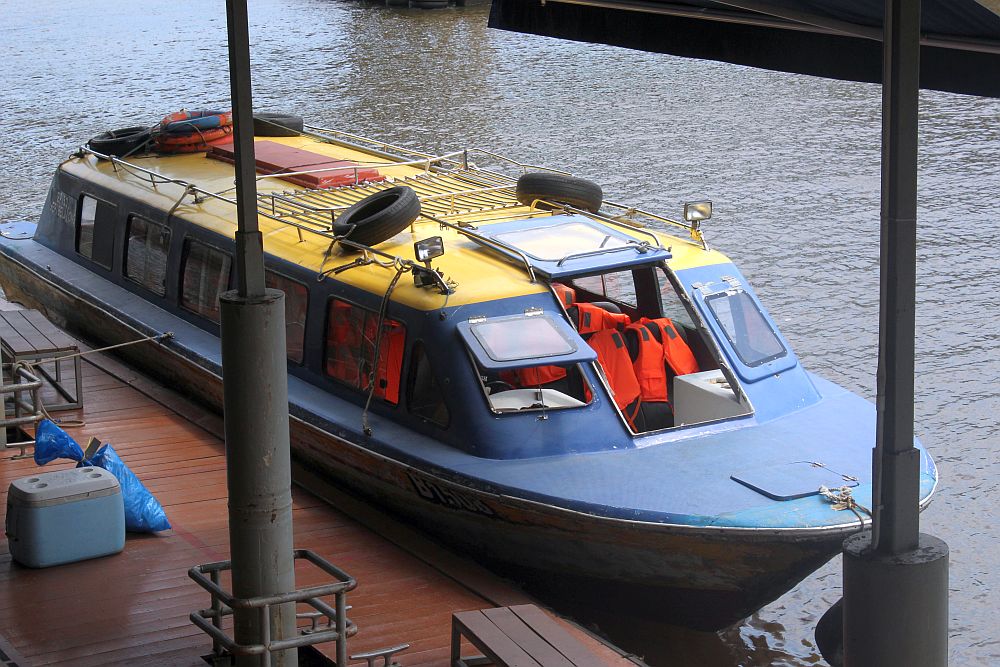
(146, 254)
(618, 287)
(205, 272)
(424, 396)
(548, 387)
(527, 362)
(95, 230)
(296, 305)
(351, 338)
(748, 332)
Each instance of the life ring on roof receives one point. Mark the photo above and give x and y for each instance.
(378, 217)
(192, 131)
(560, 188)
(184, 122)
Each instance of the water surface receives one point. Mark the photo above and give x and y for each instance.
(791, 162)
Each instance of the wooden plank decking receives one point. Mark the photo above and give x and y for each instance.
(133, 607)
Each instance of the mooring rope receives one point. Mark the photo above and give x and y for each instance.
(30, 366)
(843, 499)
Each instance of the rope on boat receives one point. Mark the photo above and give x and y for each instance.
(401, 268)
(842, 499)
(30, 365)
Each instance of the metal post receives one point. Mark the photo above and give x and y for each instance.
(255, 383)
(258, 465)
(249, 244)
(897, 462)
(895, 578)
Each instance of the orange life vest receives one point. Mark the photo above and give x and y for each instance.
(591, 318)
(390, 366)
(566, 294)
(539, 375)
(649, 366)
(613, 357)
(675, 351)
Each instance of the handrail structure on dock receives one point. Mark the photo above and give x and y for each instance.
(25, 412)
(338, 626)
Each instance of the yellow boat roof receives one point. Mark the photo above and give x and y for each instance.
(295, 221)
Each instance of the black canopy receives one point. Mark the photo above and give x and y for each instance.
(840, 39)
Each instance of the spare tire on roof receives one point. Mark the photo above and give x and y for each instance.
(560, 188)
(120, 142)
(277, 124)
(379, 216)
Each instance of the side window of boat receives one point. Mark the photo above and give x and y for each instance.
(146, 254)
(95, 230)
(296, 307)
(618, 286)
(205, 272)
(424, 396)
(351, 338)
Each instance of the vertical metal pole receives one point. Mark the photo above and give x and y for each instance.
(258, 464)
(255, 383)
(249, 244)
(897, 462)
(895, 609)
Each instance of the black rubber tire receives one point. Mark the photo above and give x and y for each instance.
(577, 192)
(277, 125)
(430, 4)
(397, 3)
(379, 216)
(120, 142)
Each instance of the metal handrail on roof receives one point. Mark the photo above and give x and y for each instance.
(445, 193)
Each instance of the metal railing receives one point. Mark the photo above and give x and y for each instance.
(449, 187)
(24, 411)
(337, 626)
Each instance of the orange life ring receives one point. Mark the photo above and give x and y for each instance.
(192, 131)
(185, 122)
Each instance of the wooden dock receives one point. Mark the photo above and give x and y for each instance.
(133, 607)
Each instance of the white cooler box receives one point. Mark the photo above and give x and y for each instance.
(65, 516)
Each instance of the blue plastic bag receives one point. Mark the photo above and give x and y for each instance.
(51, 443)
(143, 513)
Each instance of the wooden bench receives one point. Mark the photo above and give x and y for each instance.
(26, 336)
(517, 636)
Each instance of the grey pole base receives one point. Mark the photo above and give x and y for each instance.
(258, 466)
(895, 606)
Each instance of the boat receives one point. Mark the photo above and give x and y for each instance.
(569, 389)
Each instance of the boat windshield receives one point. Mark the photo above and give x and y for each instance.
(753, 339)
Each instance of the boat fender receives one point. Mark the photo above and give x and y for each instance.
(120, 142)
(277, 125)
(379, 216)
(560, 188)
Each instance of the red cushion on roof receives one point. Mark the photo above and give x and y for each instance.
(274, 158)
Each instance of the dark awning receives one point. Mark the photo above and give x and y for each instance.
(840, 39)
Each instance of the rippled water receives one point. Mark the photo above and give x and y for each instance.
(791, 162)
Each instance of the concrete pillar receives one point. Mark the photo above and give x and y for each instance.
(895, 605)
(258, 463)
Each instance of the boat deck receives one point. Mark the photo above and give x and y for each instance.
(134, 606)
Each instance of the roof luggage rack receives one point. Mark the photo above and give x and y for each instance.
(450, 187)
